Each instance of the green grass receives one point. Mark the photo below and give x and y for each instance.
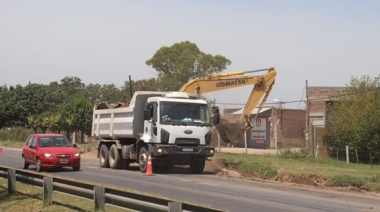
(9, 143)
(302, 168)
(29, 198)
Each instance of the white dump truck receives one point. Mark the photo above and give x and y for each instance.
(173, 127)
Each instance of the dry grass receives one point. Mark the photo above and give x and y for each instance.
(29, 198)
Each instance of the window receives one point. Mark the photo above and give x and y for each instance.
(53, 142)
(184, 112)
(30, 140)
(33, 143)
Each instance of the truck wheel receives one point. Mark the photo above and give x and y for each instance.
(104, 156)
(114, 157)
(197, 166)
(143, 159)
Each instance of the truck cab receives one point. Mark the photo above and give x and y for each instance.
(178, 130)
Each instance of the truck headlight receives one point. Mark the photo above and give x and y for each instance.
(211, 151)
(160, 150)
(77, 154)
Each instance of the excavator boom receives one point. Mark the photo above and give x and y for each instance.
(218, 82)
(262, 86)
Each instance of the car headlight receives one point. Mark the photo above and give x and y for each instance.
(47, 155)
(77, 154)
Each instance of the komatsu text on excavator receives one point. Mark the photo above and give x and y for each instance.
(262, 86)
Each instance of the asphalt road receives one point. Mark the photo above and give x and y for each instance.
(218, 192)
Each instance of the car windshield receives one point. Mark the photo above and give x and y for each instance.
(184, 113)
(53, 142)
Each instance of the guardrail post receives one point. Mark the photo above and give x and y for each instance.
(11, 181)
(99, 198)
(48, 190)
(175, 206)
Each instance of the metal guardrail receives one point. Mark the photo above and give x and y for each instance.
(100, 195)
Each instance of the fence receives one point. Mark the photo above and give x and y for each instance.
(100, 195)
(352, 155)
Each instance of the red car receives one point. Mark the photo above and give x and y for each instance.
(50, 151)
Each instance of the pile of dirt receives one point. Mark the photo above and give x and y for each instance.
(231, 133)
(304, 179)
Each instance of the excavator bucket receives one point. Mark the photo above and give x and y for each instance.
(231, 133)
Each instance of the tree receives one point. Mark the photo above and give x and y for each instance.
(183, 61)
(355, 118)
(77, 115)
(151, 84)
(3, 110)
(71, 86)
(93, 94)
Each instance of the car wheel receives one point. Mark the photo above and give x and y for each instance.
(76, 168)
(38, 165)
(143, 159)
(104, 157)
(114, 159)
(25, 165)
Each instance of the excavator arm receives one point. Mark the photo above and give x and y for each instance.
(218, 82)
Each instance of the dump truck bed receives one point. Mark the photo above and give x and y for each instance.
(122, 122)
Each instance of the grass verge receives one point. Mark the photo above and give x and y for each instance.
(29, 198)
(304, 170)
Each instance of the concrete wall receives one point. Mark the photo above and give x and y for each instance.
(290, 128)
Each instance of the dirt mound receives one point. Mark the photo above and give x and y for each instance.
(232, 133)
(304, 179)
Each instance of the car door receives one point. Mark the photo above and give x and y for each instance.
(33, 150)
(27, 151)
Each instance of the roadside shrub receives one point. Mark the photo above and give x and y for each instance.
(375, 179)
(347, 180)
(292, 154)
(251, 164)
(264, 171)
(15, 134)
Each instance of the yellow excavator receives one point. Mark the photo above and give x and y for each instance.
(262, 86)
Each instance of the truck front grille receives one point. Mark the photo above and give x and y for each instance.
(187, 141)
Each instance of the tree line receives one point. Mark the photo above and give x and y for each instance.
(66, 106)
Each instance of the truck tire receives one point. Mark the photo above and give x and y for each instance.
(104, 156)
(143, 159)
(114, 157)
(197, 166)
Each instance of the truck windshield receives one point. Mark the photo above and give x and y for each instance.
(185, 113)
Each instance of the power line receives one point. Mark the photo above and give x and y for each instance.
(303, 92)
(302, 100)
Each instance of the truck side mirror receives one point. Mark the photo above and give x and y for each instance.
(216, 119)
(216, 115)
(147, 115)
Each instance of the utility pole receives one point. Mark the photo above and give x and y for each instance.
(307, 119)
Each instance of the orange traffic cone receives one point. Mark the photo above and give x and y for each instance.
(149, 171)
(1, 149)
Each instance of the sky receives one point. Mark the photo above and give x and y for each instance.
(323, 42)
